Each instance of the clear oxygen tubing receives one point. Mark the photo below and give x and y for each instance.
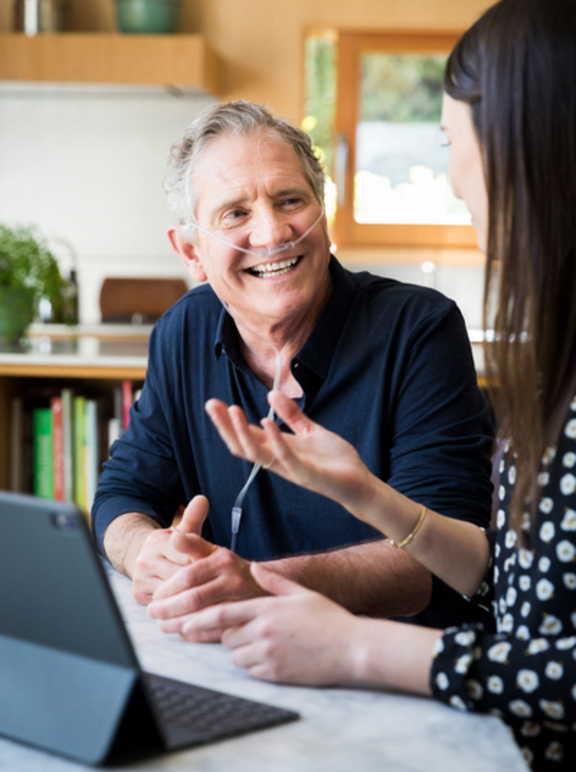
(286, 246)
(265, 253)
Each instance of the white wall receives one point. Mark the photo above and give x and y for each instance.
(86, 165)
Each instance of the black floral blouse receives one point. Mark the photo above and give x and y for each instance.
(525, 672)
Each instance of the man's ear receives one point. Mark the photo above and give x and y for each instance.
(187, 253)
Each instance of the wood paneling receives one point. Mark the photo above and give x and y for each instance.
(179, 60)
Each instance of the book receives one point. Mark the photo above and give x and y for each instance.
(68, 432)
(79, 451)
(42, 449)
(127, 399)
(57, 447)
(17, 462)
(91, 452)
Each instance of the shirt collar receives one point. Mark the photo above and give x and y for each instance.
(317, 352)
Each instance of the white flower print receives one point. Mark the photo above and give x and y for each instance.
(507, 624)
(501, 493)
(457, 702)
(554, 670)
(524, 582)
(520, 708)
(573, 620)
(511, 595)
(527, 755)
(563, 644)
(530, 729)
(496, 574)
(569, 581)
(570, 430)
(465, 638)
(442, 681)
(555, 751)
(438, 646)
(463, 663)
(543, 479)
(501, 466)
(500, 519)
(544, 564)
(474, 690)
(544, 589)
(527, 680)
(565, 551)
(552, 709)
(569, 521)
(526, 521)
(509, 562)
(551, 625)
(502, 606)
(569, 459)
(546, 505)
(547, 531)
(497, 550)
(484, 588)
(510, 539)
(538, 645)
(512, 475)
(525, 609)
(568, 484)
(556, 727)
(549, 455)
(573, 404)
(495, 684)
(525, 558)
(522, 633)
(499, 652)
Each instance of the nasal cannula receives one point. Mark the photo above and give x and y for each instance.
(264, 253)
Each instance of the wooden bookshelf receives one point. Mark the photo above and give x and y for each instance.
(72, 57)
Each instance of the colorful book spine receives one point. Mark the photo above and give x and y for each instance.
(68, 427)
(79, 451)
(91, 451)
(57, 447)
(16, 446)
(42, 450)
(127, 399)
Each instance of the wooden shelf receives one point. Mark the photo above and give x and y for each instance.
(178, 60)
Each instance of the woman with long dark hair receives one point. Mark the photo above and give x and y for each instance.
(510, 116)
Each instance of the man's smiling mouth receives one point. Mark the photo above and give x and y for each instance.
(265, 270)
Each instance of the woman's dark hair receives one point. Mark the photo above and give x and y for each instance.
(516, 68)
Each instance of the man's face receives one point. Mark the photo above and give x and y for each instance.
(251, 192)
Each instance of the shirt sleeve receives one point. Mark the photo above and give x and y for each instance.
(142, 474)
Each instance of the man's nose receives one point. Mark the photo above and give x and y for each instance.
(269, 228)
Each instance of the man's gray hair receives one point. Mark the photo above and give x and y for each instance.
(232, 119)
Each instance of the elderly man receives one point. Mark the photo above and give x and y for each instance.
(387, 366)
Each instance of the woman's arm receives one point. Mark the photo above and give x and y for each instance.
(321, 461)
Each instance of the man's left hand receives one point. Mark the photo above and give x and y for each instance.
(215, 575)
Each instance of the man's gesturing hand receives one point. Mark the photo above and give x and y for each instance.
(158, 559)
(211, 575)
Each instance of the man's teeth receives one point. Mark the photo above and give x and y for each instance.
(274, 269)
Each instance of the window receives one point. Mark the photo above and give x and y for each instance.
(387, 157)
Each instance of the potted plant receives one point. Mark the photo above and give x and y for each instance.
(29, 272)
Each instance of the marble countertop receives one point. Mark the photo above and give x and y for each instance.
(340, 729)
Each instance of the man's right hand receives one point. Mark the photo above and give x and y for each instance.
(158, 560)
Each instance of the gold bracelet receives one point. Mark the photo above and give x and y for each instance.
(411, 535)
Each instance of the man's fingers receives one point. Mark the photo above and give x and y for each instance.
(220, 416)
(194, 516)
(275, 583)
(191, 545)
(290, 413)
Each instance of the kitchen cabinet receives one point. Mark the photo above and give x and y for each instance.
(184, 61)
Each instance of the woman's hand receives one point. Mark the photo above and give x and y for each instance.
(311, 457)
(295, 636)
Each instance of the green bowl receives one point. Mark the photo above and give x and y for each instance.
(147, 17)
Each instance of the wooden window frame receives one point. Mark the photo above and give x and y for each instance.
(346, 231)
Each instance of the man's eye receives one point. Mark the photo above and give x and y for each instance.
(235, 214)
(292, 201)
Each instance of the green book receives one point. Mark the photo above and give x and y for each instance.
(79, 451)
(68, 423)
(42, 453)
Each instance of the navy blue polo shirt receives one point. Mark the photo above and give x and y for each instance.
(388, 366)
